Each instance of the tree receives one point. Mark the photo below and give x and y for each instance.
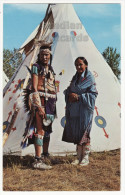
(113, 59)
(11, 60)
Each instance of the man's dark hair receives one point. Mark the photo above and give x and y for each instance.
(45, 47)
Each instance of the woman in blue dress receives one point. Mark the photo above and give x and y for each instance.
(80, 99)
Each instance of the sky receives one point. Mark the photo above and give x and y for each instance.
(101, 21)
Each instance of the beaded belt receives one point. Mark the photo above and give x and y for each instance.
(43, 94)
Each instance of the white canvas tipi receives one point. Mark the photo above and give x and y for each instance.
(5, 79)
(62, 26)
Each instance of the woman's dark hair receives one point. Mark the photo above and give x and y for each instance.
(83, 59)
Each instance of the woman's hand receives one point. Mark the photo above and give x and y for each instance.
(73, 97)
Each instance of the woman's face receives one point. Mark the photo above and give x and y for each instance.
(44, 57)
(80, 66)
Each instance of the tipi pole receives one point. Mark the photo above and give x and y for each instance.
(33, 58)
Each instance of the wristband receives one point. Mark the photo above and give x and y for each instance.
(34, 100)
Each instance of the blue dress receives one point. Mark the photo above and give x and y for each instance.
(79, 114)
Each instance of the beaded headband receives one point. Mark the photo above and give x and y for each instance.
(46, 50)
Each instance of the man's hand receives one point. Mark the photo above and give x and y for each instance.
(42, 112)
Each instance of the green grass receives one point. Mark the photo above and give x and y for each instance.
(102, 174)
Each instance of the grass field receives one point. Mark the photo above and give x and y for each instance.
(102, 174)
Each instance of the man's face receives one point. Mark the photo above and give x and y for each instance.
(44, 57)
